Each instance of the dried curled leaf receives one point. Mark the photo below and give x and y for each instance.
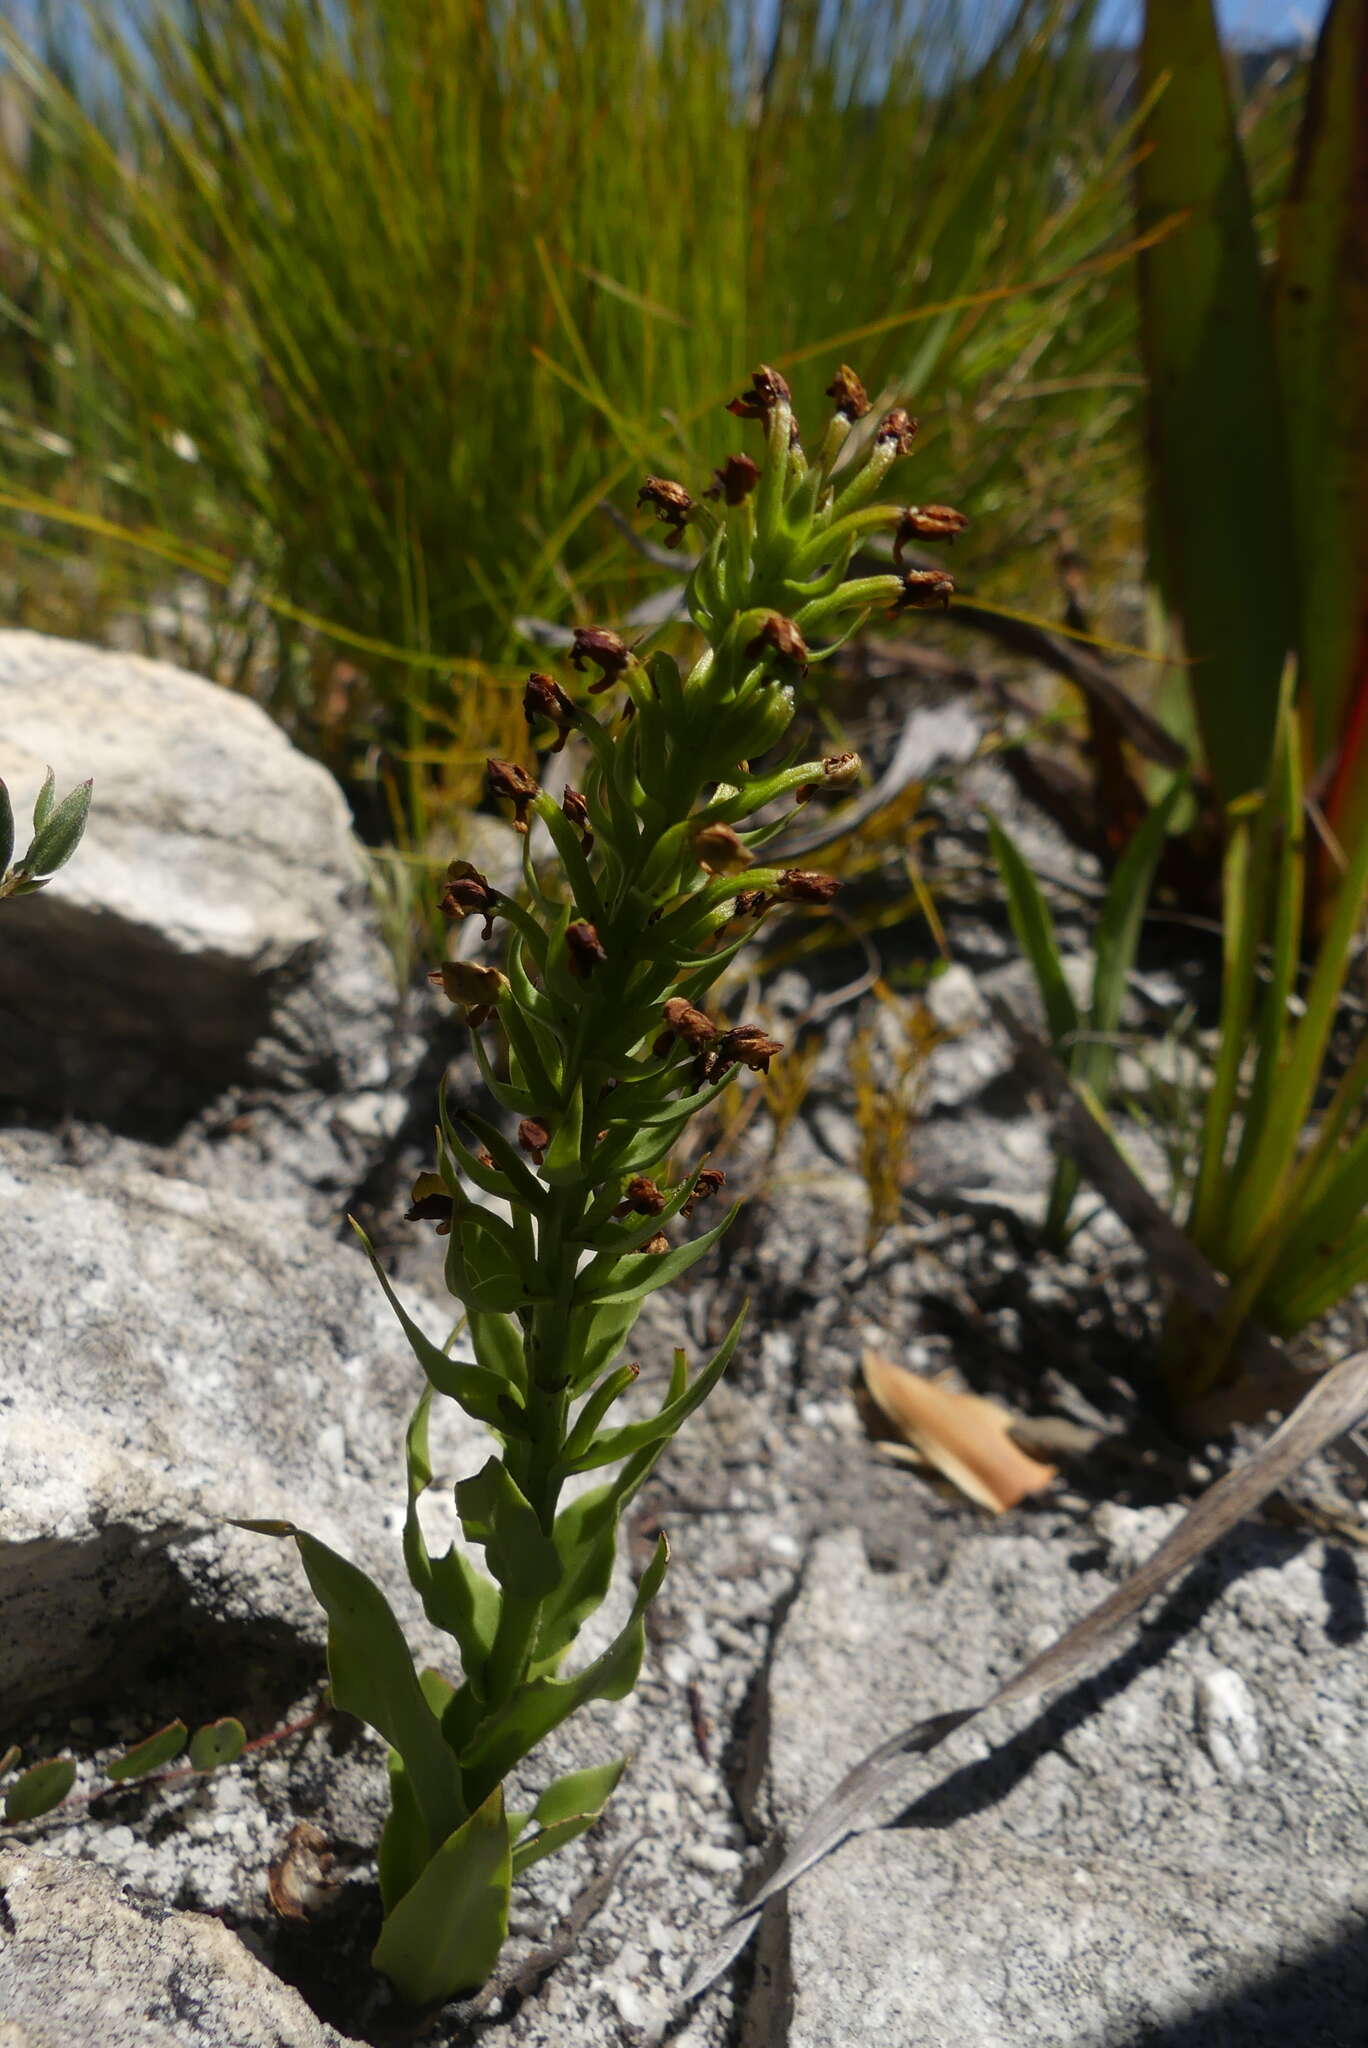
(964, 1437)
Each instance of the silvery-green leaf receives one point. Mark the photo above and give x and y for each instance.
(59, 836)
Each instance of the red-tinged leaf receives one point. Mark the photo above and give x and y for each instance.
(1220, 522)
(1322, 334)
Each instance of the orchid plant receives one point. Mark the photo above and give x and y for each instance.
(559, 1209)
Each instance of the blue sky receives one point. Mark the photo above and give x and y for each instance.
(1249, 20)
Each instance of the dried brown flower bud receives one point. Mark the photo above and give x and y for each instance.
(926, 522)
(839, 771)
(710, 1179)
(751, 903)
(465, 892)
(922, 588)
(767, 390)
(736, 479)
(780, 637)
(672, 505)
(749, 1045)
(299, 1881)
(693, 1026)
(506, 778)
(806, 885)
(607, 651)
(463, 981)
(641, 1197)
(577, 811)
(719, 850)
(545, 699)
(655, 1245)
(848, 394)
(584, 949)
(430, 1203)
(897, 426)
(534, 1138)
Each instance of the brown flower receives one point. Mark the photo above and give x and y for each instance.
(431, 1203)
(751, 903)
(767, 390)
(577, 811)
(534, 1138)
(684, 1021)
(750, 1046)
(736, 479)
(848, 394)
(897, 426)
(672, 505)
(584, 949)
(655, 1245)
(719, 850)
(506, 778)
(922, 588)
(780, 637)
(839, 771)
(805, 885)
(641, 1197)
(926, 522)
(465, 892)
(710, 1179)
(464, 981)
(607, 651)
(545, 699)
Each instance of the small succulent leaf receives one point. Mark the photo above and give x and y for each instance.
(540, 1706)
(41, 1787)
(478, 1392)
(150, 1754)
(6, 830)
(59, 836)
(629, 1283)
(373, 1677)
(43, 802)
(403, 1849)
(660, 1427)
(445, 1933)
(497, 1514)
(217, 1743)
(566, 1809)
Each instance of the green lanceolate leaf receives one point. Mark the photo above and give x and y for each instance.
(483, 1396)
(41, 1787)
(217, 1743)
(6, 830)
(456, 1596)
(373, 1677)
(59, 835)
(640, 1273)
(1219, 495)
(660, 1427)
(1035, 934)
(542, 1705)
(149, 1754)
(44, 801)
(497, 1515)
(445, 1933)
(404, 1847)
(566, 1809)
(598, 1332)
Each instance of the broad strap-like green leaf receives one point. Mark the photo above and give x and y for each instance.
(373, 1677)
(539, 1707)
(1219, 520)
(457, 1597)
(445, 1933)
(496, 1514)
(1322, 335)
(566, 1808)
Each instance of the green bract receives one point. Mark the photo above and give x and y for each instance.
(594, 1045)
(57, 830)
